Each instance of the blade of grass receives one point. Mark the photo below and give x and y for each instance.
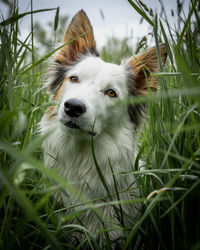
(121, 219)
(155, 29)
(17, 17)
(176, 134)
(56, 19)
(142, 13)
(99, 169)
(180, 39)
(22, 156)
(28, 209)
(32, 37)
(169, 53)
(26, 70)
(197, 183)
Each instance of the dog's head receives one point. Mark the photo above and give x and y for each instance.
(89, 90)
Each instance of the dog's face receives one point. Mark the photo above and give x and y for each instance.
(89, 91)
(89, 101)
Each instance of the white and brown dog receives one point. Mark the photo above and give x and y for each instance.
(91, 103)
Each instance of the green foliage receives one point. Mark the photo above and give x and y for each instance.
(45, 40)
(30, 217)
(116, 50)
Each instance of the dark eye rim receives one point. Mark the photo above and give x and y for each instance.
(115, 93)
(74, 79)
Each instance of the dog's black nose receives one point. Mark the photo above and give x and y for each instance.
(74, 107)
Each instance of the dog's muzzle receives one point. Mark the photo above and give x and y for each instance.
(75, 108)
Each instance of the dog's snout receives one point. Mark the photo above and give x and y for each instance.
(74, 107)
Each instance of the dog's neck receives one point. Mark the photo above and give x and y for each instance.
(122, 139)
(74, 157)
(112, 144)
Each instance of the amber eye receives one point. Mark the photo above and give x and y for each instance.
(111, 93)
(74, 79)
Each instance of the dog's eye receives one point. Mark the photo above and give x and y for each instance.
(74, 79)
(111, 93)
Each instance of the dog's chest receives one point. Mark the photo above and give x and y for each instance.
(76, 164)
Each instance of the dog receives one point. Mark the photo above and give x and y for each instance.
(92, 129)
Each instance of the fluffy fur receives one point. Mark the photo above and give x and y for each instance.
(80, 76)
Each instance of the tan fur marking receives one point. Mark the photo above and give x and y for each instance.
(50, 110)
(142, 65)
(79, 25)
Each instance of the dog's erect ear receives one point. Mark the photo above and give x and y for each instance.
(81, 30)
(142, 65)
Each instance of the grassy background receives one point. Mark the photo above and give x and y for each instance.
(169, 142)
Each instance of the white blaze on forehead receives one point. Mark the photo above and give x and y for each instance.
(93, 70)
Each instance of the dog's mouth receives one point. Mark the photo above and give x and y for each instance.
(73, 125)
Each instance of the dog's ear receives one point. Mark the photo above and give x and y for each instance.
(142, 65)
(81, 32)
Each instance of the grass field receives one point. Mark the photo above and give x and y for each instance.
(30, 217)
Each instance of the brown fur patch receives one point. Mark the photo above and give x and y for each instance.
(142, 65)
(51, 109)
(81, 29)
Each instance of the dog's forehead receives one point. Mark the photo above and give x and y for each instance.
(95, 67)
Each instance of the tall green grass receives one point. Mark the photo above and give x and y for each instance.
(30, 217)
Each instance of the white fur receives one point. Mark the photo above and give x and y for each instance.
(115, 140)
